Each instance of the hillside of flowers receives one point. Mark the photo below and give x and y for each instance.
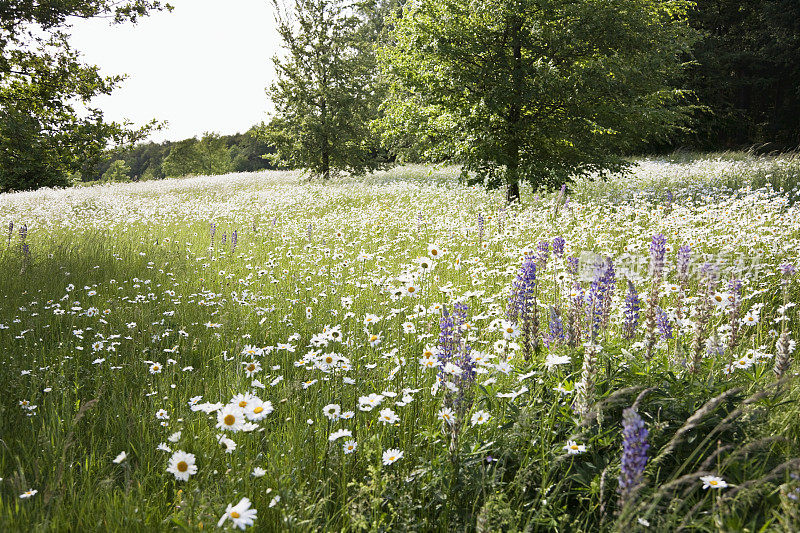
(406, 353)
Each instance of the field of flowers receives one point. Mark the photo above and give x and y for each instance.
(405, 353)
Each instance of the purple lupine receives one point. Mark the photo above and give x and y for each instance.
(664, 325)
(572, 266)
(480, 227)
(224, 237)
(522, 306)
(446, 347)
(658, 250)
(234, 240)
(555, 326)
(634, 455)
(213, 232)
(609, 284)
(558, 246)
(543, 249)
(10, 231)
(23, 232)
(631, 311)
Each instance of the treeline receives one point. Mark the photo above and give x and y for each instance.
(746, 74)
(209, 155)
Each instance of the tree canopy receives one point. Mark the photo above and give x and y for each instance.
(327, 92)
(48, 127)
(534, 89)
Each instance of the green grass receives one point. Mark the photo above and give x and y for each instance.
(144, 252)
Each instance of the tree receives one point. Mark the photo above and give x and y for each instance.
(536, 90)
(118, 171)
(747, 72)
(326, 92)
(42, 137)
(206, 157)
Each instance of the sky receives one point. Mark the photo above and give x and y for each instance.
(204, 67)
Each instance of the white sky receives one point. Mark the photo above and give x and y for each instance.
(203, 67)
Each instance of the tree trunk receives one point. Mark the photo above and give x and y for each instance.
(514, 113)
(326, 147)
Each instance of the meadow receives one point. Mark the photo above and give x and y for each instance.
(404, 353)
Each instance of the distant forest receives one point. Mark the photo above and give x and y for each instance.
(211, 154)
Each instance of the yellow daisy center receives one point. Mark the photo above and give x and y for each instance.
(251, 367)
(182, 466)
(258, 409)
(242, 404)
(229, 420)
(234, 514)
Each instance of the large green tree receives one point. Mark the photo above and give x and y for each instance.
(536, 90)
(43, 84)
(327, 92)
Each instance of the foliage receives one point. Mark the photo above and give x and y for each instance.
(43, 137)
(118, 171)
(206, 157)
(535, 90)
(327, 92)
(747, 73)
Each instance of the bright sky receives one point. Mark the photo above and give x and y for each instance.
(203, 67)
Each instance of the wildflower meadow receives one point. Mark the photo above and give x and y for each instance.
(404, 352)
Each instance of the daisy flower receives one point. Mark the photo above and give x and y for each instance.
(392, 455)
(349, 446)
(119, 458)
(332, 411)
(713, 482)
(387, 416)
(181, 465)
(258, 409)
(573, 448)
(240, 514)
(336, 435)
(28, 493)
(447, 414)
(480, 418)
(230, 417)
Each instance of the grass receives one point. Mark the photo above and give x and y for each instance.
(120, 301)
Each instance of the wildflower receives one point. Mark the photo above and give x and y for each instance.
(181, 465)
(332, 411)
(259, 472)
(480, 418)
(349, 446)
(121, 457)
(252, 368)
(231, 417)
(573, 448)
(227, 443)
(274, 501)
(338, 434)
(28, 493)
(241, 514)
(155, 368)
(552, 360)
(175, 437)
(258, 409)
(387, 416)
(367, 403)
(447, 414)
(713, 482)
(162, 414)
(634, 454)
(392, 455)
